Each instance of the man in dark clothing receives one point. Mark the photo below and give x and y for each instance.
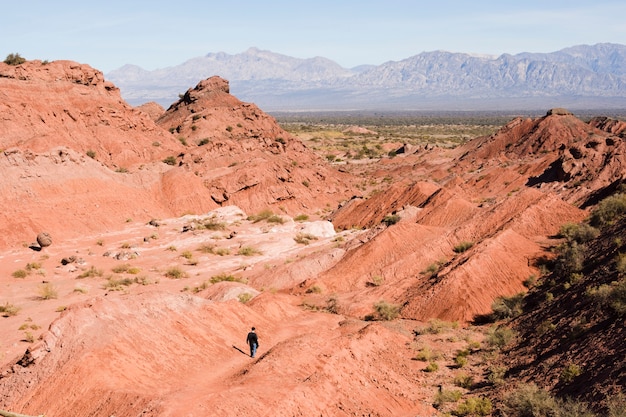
(253, 341)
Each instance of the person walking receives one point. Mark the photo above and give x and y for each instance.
(253, 341)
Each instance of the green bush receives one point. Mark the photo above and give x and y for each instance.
(570, 372)
(244, 297)
(531, 401)
(571, 258)
(608, 210)
(580, 233)
(446, 396)
(474, 407)
(14, 59)
(500, 336)
(507, 307)
(464, 380)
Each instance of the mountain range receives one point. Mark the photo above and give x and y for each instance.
(579, 77)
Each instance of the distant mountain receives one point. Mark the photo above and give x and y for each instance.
(579, 77)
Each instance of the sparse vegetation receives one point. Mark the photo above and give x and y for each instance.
(248, 251)
(268, 216)
(462, 247)
(91, 272)
(391, 219)
(386, 311)
(507, 307)
(14, 59)
(8, 310)
(170, 160)
(500, 336)
(47, 291)
(244, 297)
(608, 210)
(175, 273)
(301, 218)
(91, 154)
(225, 277)
(304, 238)
(20, 273)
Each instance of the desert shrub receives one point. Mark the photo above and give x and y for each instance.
(530, 401)
(436, 326)
(314, 289)
(426, 354)
(266, 215)
(446, 396)
(222, 251)
(332, 304)
(244, 297)
(117, 284)
(182, 140)
(175, 273)
(616, 405)
(203, 141)
(474, 407)
(377, 281)
(248, 251)
(187, 254)
(608, 210)
(613, 295)
(460, 359)
(8, 310)
(386, 311)
(14, 59)
(213, 224)
(570, 259)
(301, 218)
(570, 372)
(391, 219)
(170, 160)
(580, 233)
(91, 154)
(20, 273)
(499, 336)
(91, 272)
(225, 277)
(125, 268)
(432, 367)
(304, 238)
(496, 374)
(462, 247)
(507, 307)
(206, 248)
(47, 291)
(464, 380)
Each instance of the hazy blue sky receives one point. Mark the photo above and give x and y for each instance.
(157, 34)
